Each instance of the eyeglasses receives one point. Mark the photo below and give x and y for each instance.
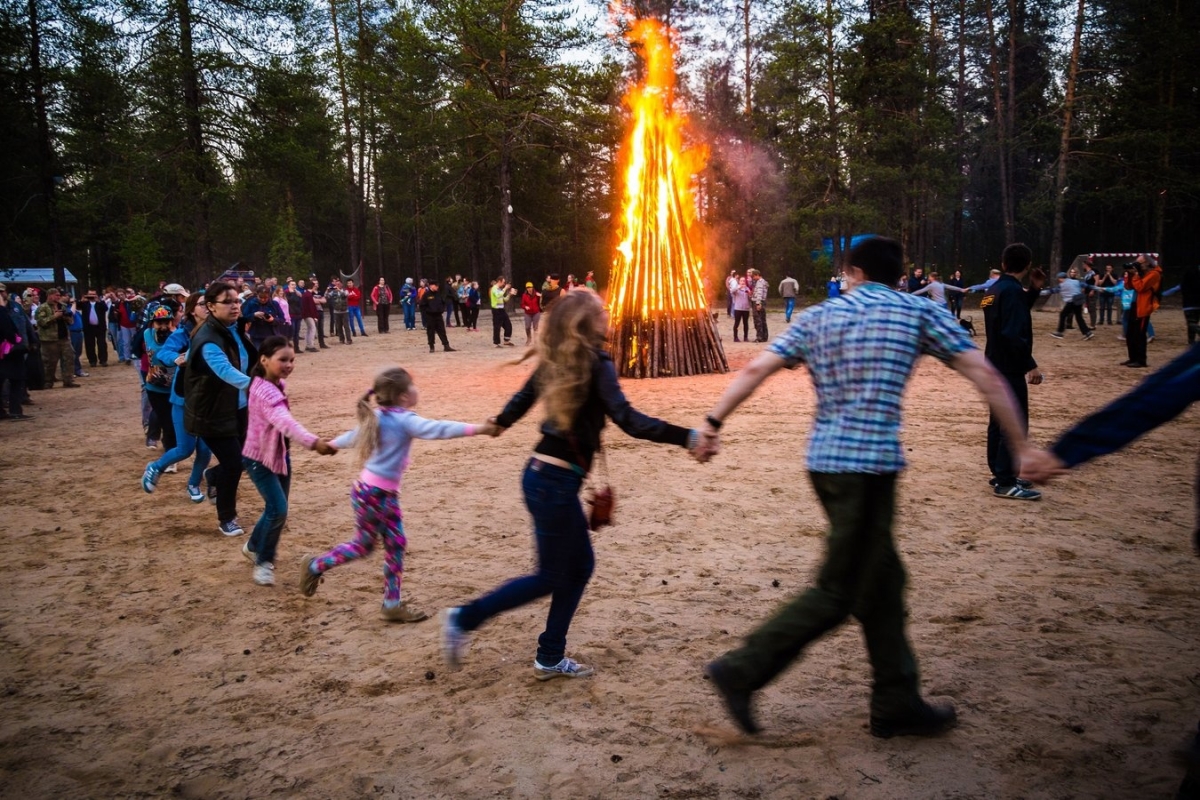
(228, 302)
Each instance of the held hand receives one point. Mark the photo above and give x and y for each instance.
(707, 445)
(181, 359)
(323, 447)
(488, 428)
(1034, 377)
(1040, 466)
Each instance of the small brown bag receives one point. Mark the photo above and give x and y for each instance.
(602, 500)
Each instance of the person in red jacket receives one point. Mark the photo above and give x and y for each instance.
(1146, 279)
(381, 298)
(354, 307)
(531, 304)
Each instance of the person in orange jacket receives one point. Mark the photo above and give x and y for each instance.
(1146, 279)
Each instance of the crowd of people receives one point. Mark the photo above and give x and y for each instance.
(215, 364)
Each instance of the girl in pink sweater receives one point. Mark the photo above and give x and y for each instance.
(265, 454)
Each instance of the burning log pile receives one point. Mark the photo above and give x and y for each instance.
(660, 325)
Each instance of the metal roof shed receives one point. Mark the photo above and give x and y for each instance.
(33, 276)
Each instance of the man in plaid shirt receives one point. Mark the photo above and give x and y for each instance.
(860, 349)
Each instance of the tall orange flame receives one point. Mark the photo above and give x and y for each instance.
(656, 275)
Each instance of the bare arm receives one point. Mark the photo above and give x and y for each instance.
(973, 366)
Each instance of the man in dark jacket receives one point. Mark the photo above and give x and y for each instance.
(262, 314)
(1009, 327)
(433, 306)
(95, 328)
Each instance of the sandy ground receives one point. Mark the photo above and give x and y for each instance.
(138, 659)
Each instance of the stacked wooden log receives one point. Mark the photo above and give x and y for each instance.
(666, 346)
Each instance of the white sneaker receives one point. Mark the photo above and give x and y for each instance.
(567, 668)
(264, 574)
(171, 469)
(455, 641)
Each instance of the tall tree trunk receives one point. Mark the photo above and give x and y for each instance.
(1160, 198)
(1016, 22)
(195, 138)
(1064, 146)
(834, 195)
(1001, 138)
(506, 209)
(418, 255)
(365, 112)
(45, 149)
(745, 9)
(960, 127)
(348, 144)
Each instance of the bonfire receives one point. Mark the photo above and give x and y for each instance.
(660, 324)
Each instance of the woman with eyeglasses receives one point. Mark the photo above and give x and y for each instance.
(215, 397)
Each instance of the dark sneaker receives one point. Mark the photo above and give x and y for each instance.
(567, 668)
(403, 613)
(231, 528)
(1089, 335)
(1017, 493)
(926, 720)
(449, 350)
(1057, 335)
(737, 701)
(309, 580)
(1024, 484)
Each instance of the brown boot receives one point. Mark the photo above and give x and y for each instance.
(403, 613)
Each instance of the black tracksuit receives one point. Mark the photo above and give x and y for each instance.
(1006, 313)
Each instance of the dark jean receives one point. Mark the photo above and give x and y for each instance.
(410, 315)
(789, 306)
(227, 474)
(999, 457)
(565, 560)
(862, 576)
(274, 489)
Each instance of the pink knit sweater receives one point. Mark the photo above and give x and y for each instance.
(271, 424)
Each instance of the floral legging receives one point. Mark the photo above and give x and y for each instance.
(376, 515)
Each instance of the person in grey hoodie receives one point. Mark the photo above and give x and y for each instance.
(1074, 294)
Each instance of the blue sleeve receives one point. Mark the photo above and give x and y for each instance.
(1170, 292)
(175, 345)
(218, 362)
(1160, 398)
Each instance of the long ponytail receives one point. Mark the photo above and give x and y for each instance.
(390, 386)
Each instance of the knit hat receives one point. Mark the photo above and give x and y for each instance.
(162, 313)
(1062, 274)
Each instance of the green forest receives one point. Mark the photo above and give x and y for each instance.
(146, 140)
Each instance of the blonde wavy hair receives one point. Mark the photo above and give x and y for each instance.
(390, 385)
(566, 351)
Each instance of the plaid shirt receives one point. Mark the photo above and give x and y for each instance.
(860, 349)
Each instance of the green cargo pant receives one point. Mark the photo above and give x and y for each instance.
(861, 576)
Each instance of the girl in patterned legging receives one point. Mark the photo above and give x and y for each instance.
(384, 439)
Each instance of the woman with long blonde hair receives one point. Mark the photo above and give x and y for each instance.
(577, 383)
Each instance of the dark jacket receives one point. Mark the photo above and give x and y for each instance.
(85, 310)
(1009, 326)
(210, 404)
(605, 399)
(432, 303)
(260, 329)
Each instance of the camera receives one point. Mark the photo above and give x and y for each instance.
(1132, 266)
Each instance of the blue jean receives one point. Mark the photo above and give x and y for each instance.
(274, 489)
(789, 305)
(356, 314)
(410, 315)
(77, 346)
(124, 343)
(565, 560)
(185, 445)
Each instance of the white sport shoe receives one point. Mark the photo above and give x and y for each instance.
(264, 574)
(455, 641)
(567, 668)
